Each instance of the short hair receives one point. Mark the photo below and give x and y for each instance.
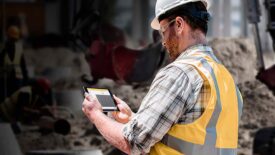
(194, 13)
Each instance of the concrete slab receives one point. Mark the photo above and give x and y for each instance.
(8, 141)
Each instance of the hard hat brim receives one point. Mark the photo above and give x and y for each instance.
(155, 24)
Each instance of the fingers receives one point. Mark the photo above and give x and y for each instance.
(120, 117)
(87, 96)
(86, 104)
(114, 114)
(123, 108)
(90, 103)
(118, 100)
(90, 97)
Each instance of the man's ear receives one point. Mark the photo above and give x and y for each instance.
(180, 24)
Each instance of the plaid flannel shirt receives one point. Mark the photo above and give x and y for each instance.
(176, 96)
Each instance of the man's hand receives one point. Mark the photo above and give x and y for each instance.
(90, 105)
(125, 113)
(109, 128)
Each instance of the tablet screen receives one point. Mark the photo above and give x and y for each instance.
(104, 97)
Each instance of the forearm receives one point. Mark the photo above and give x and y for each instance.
(110, 129)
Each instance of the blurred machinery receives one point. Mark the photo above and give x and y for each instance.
(267, 76)
(264, 140)
(108, 55)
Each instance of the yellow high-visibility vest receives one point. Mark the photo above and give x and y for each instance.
(215, 132)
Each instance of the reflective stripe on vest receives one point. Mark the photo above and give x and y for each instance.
(15, 64)
(216, 131)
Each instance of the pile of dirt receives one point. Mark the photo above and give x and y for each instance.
(83, 135)
(238, 55)
(258, 113)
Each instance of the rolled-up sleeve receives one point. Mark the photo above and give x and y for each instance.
(160, 109)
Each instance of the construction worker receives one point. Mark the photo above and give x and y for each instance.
(13, 66)
(26, 102)
(193, 106)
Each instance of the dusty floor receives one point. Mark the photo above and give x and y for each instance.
(237, 54)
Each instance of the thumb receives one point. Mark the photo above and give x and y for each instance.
(87, 96)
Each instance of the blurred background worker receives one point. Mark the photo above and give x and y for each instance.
(12, 63)
(21, 99)
(27, 103)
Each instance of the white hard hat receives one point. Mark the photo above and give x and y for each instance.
(162, 6)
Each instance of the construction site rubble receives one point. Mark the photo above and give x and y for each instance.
(258, 112)
(238, 55)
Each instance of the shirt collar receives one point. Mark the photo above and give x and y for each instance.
(190, 50)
